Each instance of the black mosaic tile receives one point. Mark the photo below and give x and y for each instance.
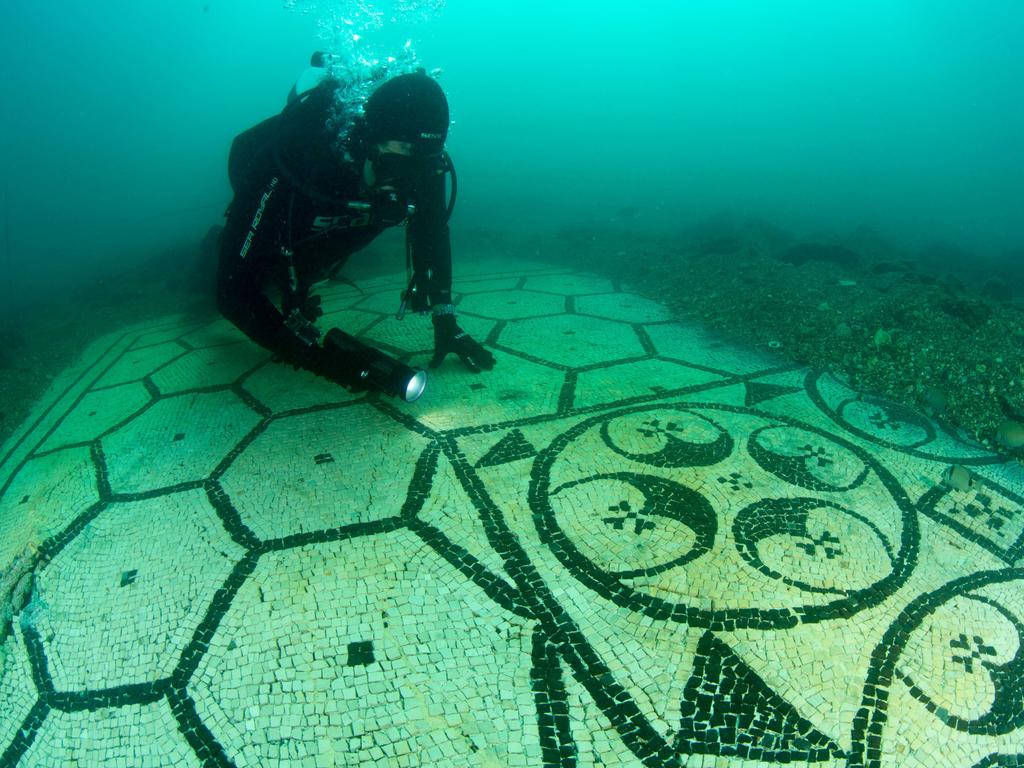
(360, 653)
(512, 447)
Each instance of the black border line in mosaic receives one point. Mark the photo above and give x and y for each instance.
(1001, 761)
(814, 393)
(872, 716)
(792, 469)
(184, 328)
(612, 588)
(218, 606)
(653, 398)
(1009, 555)
(554, 730)
(1007, 682)
(469, 566)
(71, 386)
(229, 516)
(146, 378)
(204, 744)
(530, 358)
(771, 516)
(26, 735)
(577, 369)
(567, 393)
(31, 454)
(636, 733)
(565, 640)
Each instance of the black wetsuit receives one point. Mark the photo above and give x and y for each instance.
(301, 209)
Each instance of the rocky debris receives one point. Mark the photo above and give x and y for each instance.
(997, 290)
(836, 254)
(910, 331)
(1010, 434)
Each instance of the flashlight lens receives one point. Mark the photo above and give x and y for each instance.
(415, 386)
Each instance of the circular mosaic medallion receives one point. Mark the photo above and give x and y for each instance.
(671, 511)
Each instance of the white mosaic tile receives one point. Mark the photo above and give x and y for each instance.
(280, 387)
(137, 736)
(366, 651)
(571, 340)
(512, 304)
(331, 469)
(44, 497)
(625, 307)
(127, 617)
(211, 367)
(141, 362)
(96, 413)
(693, 344)
(179, 439)
(216, 333)
(17, 691)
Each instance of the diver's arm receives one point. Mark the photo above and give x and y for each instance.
(430, 243)
(248, 254)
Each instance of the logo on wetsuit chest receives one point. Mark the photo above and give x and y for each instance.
(344, 221)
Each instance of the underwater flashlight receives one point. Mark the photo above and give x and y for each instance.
(366, 367)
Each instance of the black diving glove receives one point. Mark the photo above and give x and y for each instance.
(448, 338)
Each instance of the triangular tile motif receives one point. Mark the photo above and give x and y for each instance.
(759, 392)
(512, 447)
(729, 710)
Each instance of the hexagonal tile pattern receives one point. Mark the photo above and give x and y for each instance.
(456, 397)
(281, 387)
(46, 495)
(569, 284)
(409, 682)
(329, 468)
(96, 413)
(415, 333)
(116, 607)
(141, 736)
(511, 305)
(216, 333)
(179, 439)
(166, 334)
(141, 362)
(626, 307)
(693, 344)
(381, 302)
(628, 544)
(641, 379)
(212, 367)
(572, 340)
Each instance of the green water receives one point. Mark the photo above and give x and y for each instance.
(903, 116)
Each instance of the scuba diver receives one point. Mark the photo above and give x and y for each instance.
(307, 195)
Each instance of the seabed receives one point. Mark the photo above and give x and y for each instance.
(630, 544)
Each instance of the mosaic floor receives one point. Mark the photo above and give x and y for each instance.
(628, 545)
